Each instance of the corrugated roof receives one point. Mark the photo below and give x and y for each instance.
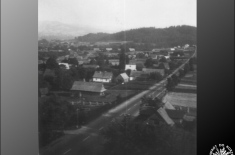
(103, 75)
(88, 86)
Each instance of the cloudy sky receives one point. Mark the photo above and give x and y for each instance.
(117, 15)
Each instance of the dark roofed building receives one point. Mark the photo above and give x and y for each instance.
(150, 70)
(89, 87)
(136, 74)
(102, 76)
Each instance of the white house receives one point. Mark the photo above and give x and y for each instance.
(186, 46)
(131, 67)
(131, 49)
(96, 49)
(102, 76)
(109, 49)
(114, 61)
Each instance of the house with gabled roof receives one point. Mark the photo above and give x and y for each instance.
(102, 76)
(96, 49)
(131, 49)
(114, 61)
(91, 88)
(122, 77)
(109, 49)
(131, 66)
(136, 74)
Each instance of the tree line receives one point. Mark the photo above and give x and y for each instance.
(166, 37)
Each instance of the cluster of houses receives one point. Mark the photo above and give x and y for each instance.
(174, 113)
(106, 77)
(95, 85)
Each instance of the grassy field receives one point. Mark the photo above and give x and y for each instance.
(185, 93)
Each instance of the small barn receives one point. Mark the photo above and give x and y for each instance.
(135, 74)
(150, 70)
(122, 77)
(90, 88)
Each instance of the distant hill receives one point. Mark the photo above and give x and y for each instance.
(57, 30)
(172, 36)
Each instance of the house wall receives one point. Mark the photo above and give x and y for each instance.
(131, 67)
(90, 93)
(120, 78)
(115, 63)
(101, 80)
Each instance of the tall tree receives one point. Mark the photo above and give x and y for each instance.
(149, 63)
(53, 114)
(73, 61)
(64, 80)
(123, 59)
(51, 63)
(132, 138)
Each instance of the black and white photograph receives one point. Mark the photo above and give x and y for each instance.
(117, 77)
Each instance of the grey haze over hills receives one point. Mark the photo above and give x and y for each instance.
(56, 30)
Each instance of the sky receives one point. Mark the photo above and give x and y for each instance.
(117, 15)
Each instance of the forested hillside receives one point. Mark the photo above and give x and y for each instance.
(172, 36)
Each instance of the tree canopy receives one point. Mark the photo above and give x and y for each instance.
(51, 63)
(123, 59)
(166, 37)
(126, 137)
